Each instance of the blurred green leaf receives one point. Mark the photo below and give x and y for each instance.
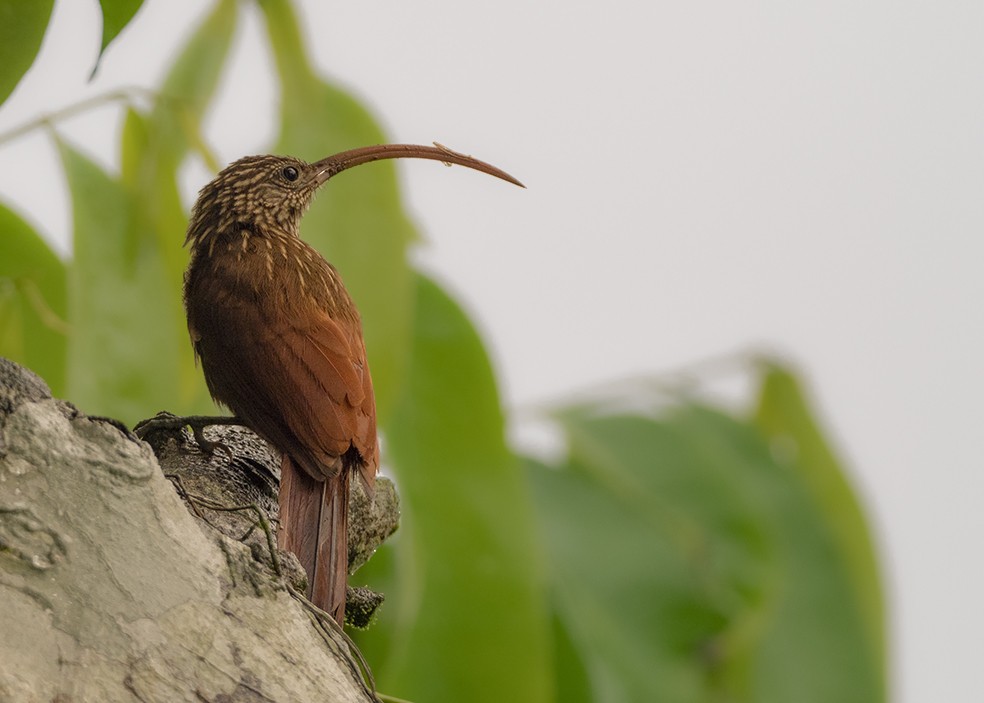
(22, 25)
(357, 222)
(33, 323)
(153, 148)
(626, 591)
(187, 393)
(190, 83)
(571, 681)
(688, 566)
(122, 360)
(116, 14)
(467, 620)
(784, 417)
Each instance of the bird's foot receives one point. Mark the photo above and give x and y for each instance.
(197, 424)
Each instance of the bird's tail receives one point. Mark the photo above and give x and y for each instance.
(314, 526)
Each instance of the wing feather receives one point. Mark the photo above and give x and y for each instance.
(302, 383)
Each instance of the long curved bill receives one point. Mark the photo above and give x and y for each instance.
(333, 165)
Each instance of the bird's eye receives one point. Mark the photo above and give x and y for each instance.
(290, 173)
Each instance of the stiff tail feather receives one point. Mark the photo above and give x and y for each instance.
(314, 526)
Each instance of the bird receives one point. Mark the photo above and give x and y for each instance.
(279, 340)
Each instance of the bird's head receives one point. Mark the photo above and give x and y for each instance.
(270, 193)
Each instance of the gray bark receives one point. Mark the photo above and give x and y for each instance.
(111, 590)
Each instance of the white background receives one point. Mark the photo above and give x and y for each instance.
(806, 178)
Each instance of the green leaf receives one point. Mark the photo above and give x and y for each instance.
(123, 353)
(153, 148)
(22, 25)
(572, 682)
(191, 81)
(622, 592)
(688, 565)
(467, 620)
(151, 188)
(784, 417)
(357, 223)
(33, 324)
(116, 14)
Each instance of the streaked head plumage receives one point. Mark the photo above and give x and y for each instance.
(256, 193)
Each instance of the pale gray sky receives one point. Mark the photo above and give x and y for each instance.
(703, 177)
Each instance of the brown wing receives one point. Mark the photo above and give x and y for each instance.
(300, 381)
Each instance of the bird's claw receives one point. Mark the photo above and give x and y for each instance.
(197, 424)
(207, 446)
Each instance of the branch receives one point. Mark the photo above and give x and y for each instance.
(113, 590)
